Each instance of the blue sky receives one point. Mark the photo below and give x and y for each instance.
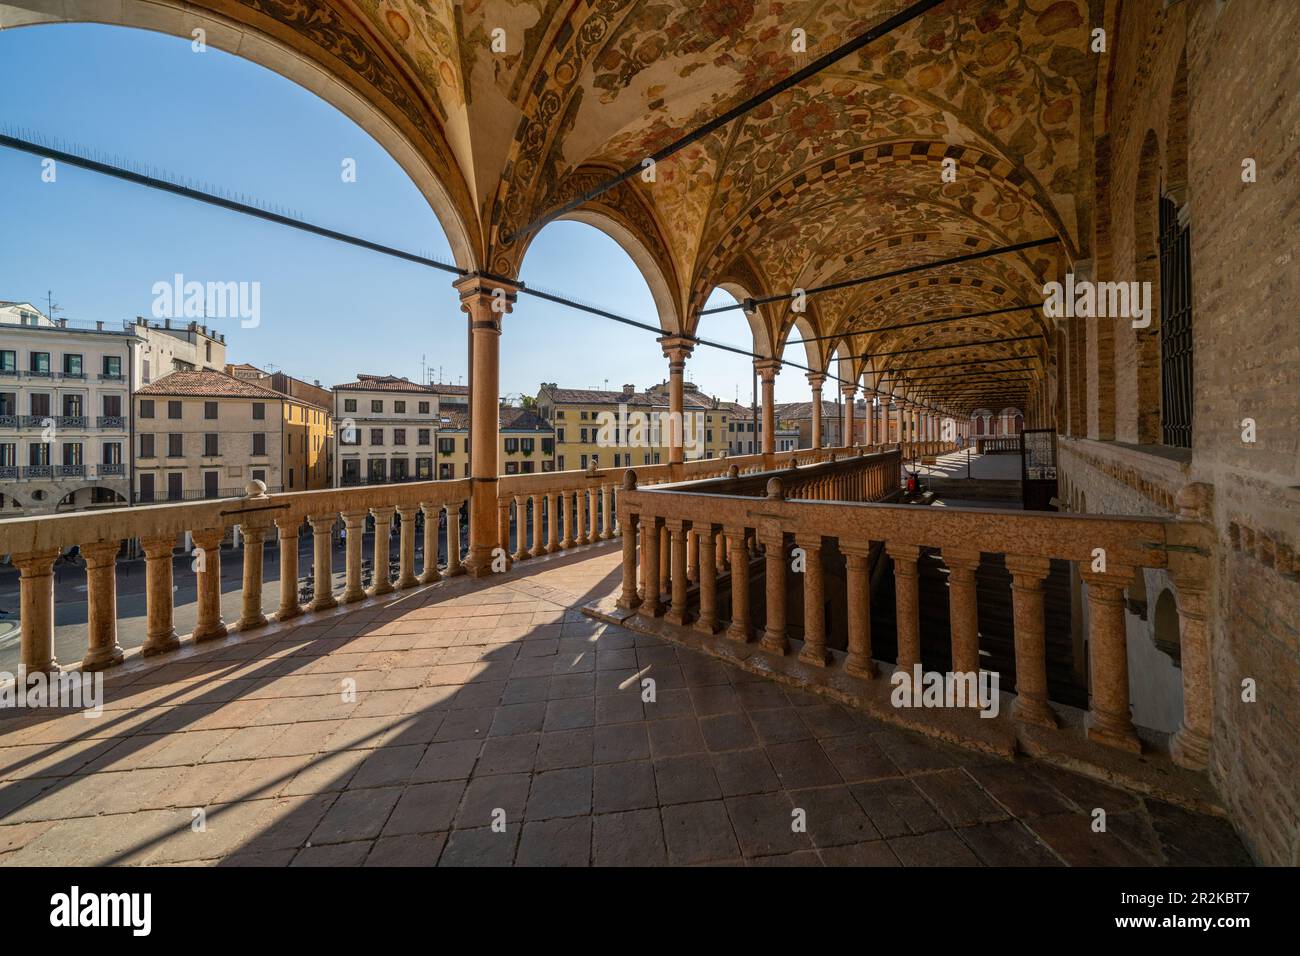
(328, 310)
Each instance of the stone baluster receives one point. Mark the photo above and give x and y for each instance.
(814, 602)
(774, 640)
(354, 524)
(708, 571)
(102, 650)
(432, 512)
(1110, 719)
(650, 606)
(503, 528)
(160, 632)
(607, 512)
(1190, 746)
(569, 522)
(553, 522)
(581, 535)
(454, 565)
(207, 566)
(1027, 576)
(628, 597)
(36, 609)
(593, 515)
(676, 528)
(251, 615)
(740, 629)
(859, 662)
(539, 527)
(908, 611)
(406, 547)
(323, 564)
(963, 610)
(383, 583)
(288, 528)
(521, 528)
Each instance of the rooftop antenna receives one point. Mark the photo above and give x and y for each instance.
(51, 307)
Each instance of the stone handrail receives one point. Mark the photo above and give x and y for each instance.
(35, 543)
(679, 539)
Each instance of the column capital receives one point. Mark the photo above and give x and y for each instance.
(35, 562)
(849, 391)
(158, 546)
(1026, 570)
(288, 525)
(767, 369)
(966, 560)
(1115, 577)
(352, 519)
(322, 523)
(816, 380)
(477, 284)
(207, 538)
(100, 553)
(677, 349)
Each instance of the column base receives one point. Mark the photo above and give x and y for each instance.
(650, 609)
(288, 613)
(214, 633)
(707, 626)
(1034, 712)
(160, 645)
(816, 656)
(1111, 733)
(680, 618)
(457, 571)
(252, 623)
(379, 590)
(775, 643)
(407, 582)
(102, 658)
(323, 603)
(430, 577)
(858, 665)
(1190, 749)
(739, 634)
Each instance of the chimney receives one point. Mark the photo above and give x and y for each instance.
(99, 326)
(629, 389)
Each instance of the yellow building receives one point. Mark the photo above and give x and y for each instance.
(205, 434)
(625, 428)
(526, 443)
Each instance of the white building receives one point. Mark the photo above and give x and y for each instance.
(65, 403)
(384, 430)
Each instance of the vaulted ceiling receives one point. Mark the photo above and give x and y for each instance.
(837, 178)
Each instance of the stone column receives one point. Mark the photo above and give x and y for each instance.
(432, 512)
(774, 631)
(251, 616)
(606, 512)
(816, 380)
(677, 350)
(503, 528)
(289, 606)
(1027, 576)
(160, 633)
(740, 627)
(568, 541)
(814, 602)
(209, 626)
(858, 592)
(628, 597)
(406, 547)
(1110, 719)
(850, 395)
(36, 609)
(553, 519)
(383, 583)
(907, 610)
(767, 371)
(869, 424)
(486, 301)
(650, 606)
(1190, 746)
(521, 528)
(677, 613)
(580, 535)
(539, 526)
(322, 570)
(708, 571)
(963, 609)
(102, 649)
(354, 522)
(593, 514)
(454, 565)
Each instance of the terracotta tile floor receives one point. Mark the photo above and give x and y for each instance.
(493, 724)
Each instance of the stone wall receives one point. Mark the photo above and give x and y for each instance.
(1194, 89)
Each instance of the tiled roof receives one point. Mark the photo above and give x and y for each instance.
(383, 383)
(522, 419)
(799, 411)
(441, 388)
(206, 383)
(596, 396)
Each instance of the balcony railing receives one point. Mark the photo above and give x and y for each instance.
(71, 422)
(110, 377)
(8, 421)
(692, 549)
(113, 422)
(38, 471)
(8, 472)
(35, 421)
(111, 469)
(70, 471)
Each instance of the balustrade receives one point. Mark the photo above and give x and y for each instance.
(840, 510)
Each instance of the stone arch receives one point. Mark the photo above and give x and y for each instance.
(808, 331)
(661, 287)
(399, 129)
